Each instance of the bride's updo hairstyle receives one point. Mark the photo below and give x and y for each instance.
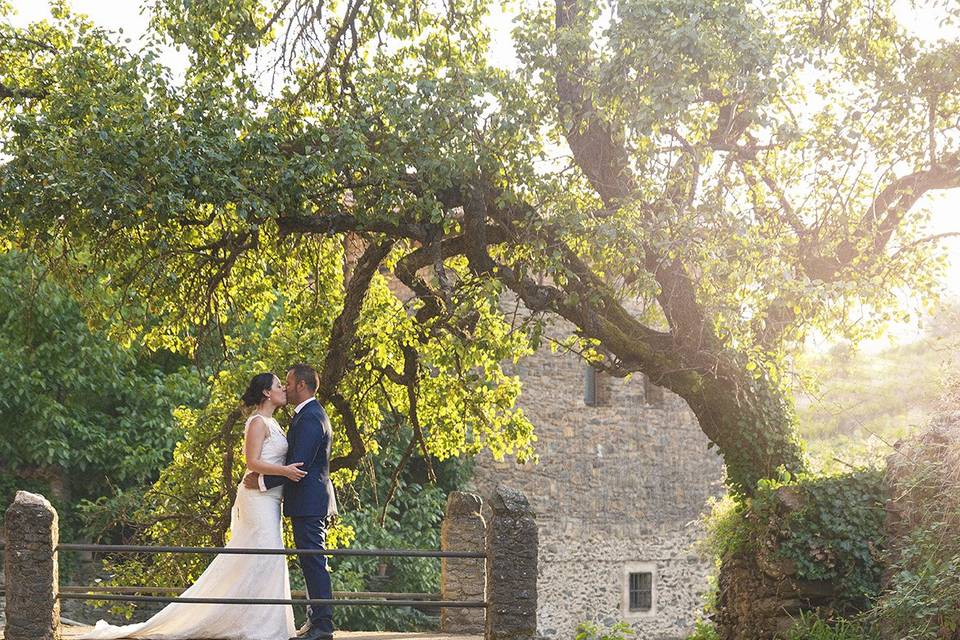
(254, 393)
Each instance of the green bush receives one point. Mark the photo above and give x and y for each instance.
(727, 531)
(922, 598)
(623, 631)
(704, 631)
(411, 520)
(81, 417)
(836, 533)
(592, 631)
(829, 527)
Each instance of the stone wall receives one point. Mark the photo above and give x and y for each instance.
(583, 577)
(615, 484)
(512, 544)
(760, 595)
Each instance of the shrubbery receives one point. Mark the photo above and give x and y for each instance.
(831, 529)
(812, 627)
(411, 520)
(623, 631)
(593, 631)
(81, 417)
(827, 527)
(922, 561)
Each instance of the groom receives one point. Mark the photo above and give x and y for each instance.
(310, 501)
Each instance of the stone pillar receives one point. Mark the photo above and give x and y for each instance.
(463, 529)
(31, 532)
(511, 568)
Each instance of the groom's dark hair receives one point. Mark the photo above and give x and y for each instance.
(306, 374)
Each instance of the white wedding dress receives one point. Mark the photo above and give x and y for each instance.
(255, 522)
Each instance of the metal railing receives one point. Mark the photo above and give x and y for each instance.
(405, 553)
(465, 604)
(388, 595)
(367, 598)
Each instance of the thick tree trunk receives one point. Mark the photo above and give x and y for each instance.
(749, 420)
(752, 424)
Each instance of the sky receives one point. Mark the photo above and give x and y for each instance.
(944, 206)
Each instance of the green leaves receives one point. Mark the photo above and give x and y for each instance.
(412, 520)
(836, 534)
(750, 147)
(73, 405)
(827, 528)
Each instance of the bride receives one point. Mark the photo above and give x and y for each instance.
(255, 522)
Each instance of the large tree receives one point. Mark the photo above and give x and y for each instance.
(693, 184)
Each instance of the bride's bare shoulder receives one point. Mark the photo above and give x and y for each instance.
(256, 425)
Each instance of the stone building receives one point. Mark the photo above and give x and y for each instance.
(623, 474)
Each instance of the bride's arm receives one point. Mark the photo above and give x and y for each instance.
(253, 446)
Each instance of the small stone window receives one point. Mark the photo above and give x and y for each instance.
(641, 591)
(595, 391)
(652, 394)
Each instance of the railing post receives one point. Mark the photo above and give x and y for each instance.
(31, 531)
(511, 568)
(463, 529)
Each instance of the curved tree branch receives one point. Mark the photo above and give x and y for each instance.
(342, 337)
(226, 469)
(882, 218)
(357, 448)
(605, 163)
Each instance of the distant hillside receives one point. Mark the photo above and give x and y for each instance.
(867, 401)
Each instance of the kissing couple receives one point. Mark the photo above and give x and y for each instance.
(292, 468)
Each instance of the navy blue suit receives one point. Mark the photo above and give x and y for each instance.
(307, 502)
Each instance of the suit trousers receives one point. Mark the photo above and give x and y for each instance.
(310, 532)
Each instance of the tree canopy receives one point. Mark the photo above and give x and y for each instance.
(694, 185)
(79, 415)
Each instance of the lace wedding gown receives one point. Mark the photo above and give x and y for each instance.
(255, 522)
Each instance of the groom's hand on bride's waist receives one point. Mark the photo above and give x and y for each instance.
(252, 480)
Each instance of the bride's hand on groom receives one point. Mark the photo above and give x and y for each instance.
(292, 471)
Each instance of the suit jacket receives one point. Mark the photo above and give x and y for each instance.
(308, 441)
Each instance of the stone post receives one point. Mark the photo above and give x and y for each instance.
(463, 529)
(511, 568)
(31, 532)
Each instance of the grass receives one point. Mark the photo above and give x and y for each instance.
(856, 405)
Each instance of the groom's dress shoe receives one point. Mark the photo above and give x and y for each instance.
(313, 633)
(307, 627)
